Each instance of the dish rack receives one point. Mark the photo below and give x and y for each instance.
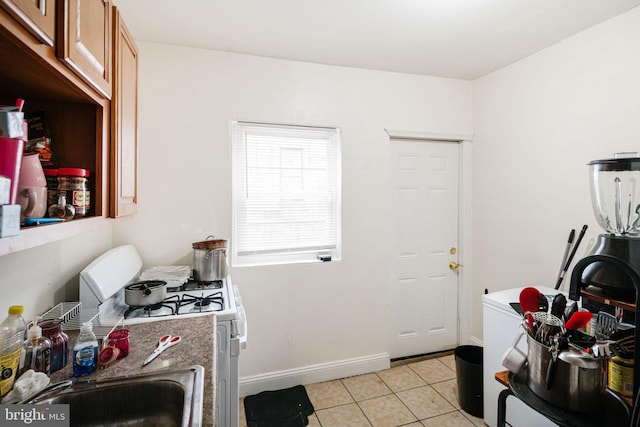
(73, 316)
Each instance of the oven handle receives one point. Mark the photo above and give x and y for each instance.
(239, 325)
(239, 329)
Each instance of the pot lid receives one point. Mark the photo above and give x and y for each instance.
(145, 284)
(210, 244)
(579, 359)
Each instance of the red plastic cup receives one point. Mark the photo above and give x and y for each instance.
(120, 340)
(11, 151)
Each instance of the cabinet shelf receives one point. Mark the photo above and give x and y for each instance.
(42, 234)
(597, 296)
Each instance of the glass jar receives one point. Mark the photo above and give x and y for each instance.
(120, 340)
(74, 181)
(52, 186)
(52, 330)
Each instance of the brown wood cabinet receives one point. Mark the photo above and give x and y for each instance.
(37, 16)
(124, 122)
(84, 41)
(88, 130)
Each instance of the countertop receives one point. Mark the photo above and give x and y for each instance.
(197, 347)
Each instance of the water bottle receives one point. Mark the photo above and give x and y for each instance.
(11, 338)
(85, 352)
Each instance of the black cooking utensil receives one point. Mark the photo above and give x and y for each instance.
(572, 309)
(558, 305)
(543, 303)
(551, 368)
(567, 248)
(573, 253)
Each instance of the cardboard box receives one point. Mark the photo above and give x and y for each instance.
(9, 220)
(11, 122)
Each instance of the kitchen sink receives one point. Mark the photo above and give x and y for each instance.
(161, 398)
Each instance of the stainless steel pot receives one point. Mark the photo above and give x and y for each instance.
(146, 292)
(210, 260)
(579, 382)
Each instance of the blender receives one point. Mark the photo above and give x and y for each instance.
(612, 270)
(615, 198)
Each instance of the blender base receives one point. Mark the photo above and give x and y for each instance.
(608, 278)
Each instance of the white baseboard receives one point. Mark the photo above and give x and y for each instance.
(313, 374)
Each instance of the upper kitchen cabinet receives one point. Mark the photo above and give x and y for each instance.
(37, 16)
(87, 128)
(124, 123)
(84, 41)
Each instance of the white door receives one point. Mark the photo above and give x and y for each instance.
(424, 288)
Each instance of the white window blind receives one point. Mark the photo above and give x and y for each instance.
(286, 193)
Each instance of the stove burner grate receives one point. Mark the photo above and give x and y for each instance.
(203, 303)
(193, 285)
(172, 303)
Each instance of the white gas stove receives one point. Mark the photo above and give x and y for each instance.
(102, 286)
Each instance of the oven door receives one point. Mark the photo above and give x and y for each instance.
(232, 338)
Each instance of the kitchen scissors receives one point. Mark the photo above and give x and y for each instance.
(164, 343)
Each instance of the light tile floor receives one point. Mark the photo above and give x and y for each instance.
(414, 393)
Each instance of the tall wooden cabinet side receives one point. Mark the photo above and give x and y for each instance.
(124, 122)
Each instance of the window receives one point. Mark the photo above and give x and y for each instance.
(286, 193)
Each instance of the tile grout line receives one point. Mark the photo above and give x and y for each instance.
(391, 391)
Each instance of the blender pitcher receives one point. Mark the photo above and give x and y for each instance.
(615, 193)
(615, 198)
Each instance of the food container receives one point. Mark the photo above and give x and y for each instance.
(621, 375)
(579, 382)
(52, 330)
(74, 182)
(52, 186)
(210, 260)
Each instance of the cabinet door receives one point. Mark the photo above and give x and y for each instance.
(37, 16)
(84, 41)
(124, 122)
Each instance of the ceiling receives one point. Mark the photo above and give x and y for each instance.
(462, 39)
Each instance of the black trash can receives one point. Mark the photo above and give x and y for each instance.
(469, 377)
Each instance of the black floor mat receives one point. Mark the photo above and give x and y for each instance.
(280, 408)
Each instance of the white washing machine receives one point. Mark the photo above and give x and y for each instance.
(501, 325)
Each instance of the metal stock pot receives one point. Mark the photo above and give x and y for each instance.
(579, 383)
(210, 259)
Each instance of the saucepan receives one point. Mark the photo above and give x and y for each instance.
(146, 292)
(210, 259)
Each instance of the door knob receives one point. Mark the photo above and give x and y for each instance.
(454, 265)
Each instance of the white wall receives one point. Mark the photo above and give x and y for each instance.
(314, 317)
(41, 277)
(537, 123)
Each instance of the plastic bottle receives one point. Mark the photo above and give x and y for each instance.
(37, 350)
(11, 338)
(85, 352)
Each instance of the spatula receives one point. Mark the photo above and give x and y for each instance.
(529, 302)
(578, 320)
(530, 299)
